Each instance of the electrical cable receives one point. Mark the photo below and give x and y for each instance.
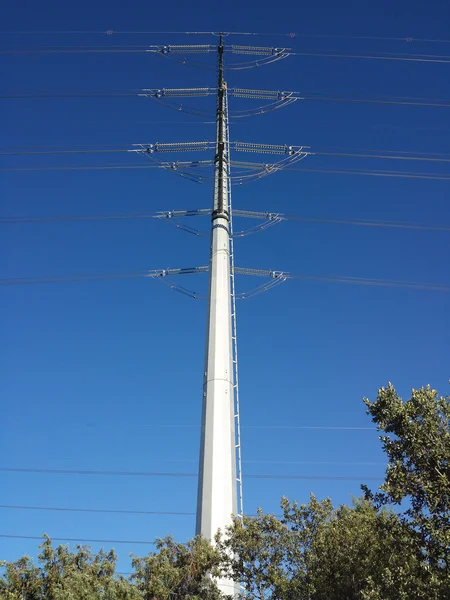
(423, 59)
(183, 426)
(69, 218)
(83, 168)
(346, 153)
(367, 172)
(374, 173)
(71, 539)
(426, 58)
(376, 282)
(61, 151)
(404, 102)
(382, 156)
(73, 278)
(178, 475)
(408, 39)
(96, 510)
(317, 278)
(370, 37)
(364, 223)
(49, 94)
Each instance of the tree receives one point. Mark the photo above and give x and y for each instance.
(65, 575)
(174, 572)
(178, 571)
(368, 554)
(417, 445)
(316, 552)
(364, 552)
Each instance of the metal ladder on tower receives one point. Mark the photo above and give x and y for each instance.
(237, 417)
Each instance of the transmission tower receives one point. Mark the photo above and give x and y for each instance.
(220, 467)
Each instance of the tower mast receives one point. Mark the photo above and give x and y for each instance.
(217, 488)
(220, 474)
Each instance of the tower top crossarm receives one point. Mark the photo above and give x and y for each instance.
(263, 54)
(206, 48)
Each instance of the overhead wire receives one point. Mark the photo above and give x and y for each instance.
(191, 426)
(408, 39)
(393, 101)
(382, 156)
(140, 275)
(68, 218)
(343, 152)
(374, 173)
(177, 474)
(314, 96)
(367, 172)
(82, 168)
(97, 510)
(308, 96)
(126, 50)
(73, 278)
(166, 512)
(421, 59)
(365, 223)
(72, 539)
(375, 282)
(18, 219)
(62, 151)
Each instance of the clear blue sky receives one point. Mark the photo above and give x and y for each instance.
(107, 375)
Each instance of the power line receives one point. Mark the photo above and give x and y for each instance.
(367, 172)
(93, 472)
(126, 50)
(61, 151)
(376, 282)
(422, 59)
(373, 173)
(188, 426)
(111, 32)
(365, 223)
(82, 168)
(393, 152)
(408, 39)
(178, 475)
(318, 278)
(371, 37)
(381, 156)
(48, 94)
(64, 218)
(404, 101)
(97, 510)
(16, 219)
(71, 539)
(79, 50)
(346, 153)
(321, 427)
(73, 278)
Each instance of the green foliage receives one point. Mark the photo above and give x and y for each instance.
(174, 572)
(178, 571)
(315, 552)
(418, 471)
(65, 575)
(363, 553)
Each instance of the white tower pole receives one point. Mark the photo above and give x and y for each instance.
(217, 488)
